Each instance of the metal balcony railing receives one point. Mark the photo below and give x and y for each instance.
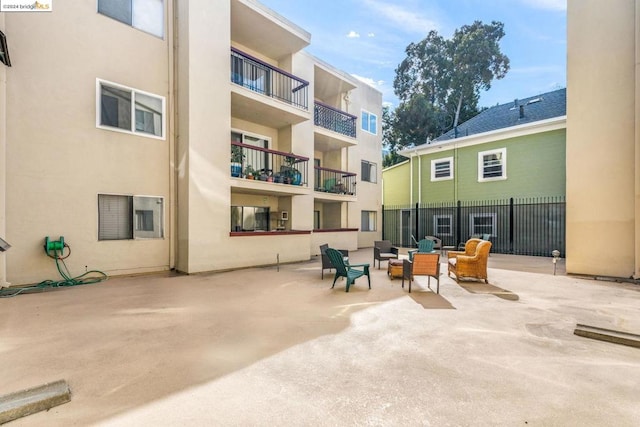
(268, 80)
(251, 162)
(333, 119)
(334, 181)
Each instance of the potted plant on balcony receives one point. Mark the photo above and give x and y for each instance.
(237, 156)
(249, 171)
(292, 175)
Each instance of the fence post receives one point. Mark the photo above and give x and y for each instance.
(417, 224)
(383, 227)
(511, 232)
(458, 223)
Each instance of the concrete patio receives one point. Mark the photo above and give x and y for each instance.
(277, 346)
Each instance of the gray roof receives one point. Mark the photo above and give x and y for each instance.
(521, 111)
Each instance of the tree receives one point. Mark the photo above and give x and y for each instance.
(439, 82)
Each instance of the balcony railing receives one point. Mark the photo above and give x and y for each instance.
(334, 181)
(268, 80)
(333, 119)
(251, 162)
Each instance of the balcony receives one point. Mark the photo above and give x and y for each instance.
(332, 184)
(334, 129)
(264, 171)
(264, 94)
(335, 120)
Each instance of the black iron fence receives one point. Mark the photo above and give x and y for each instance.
(333, 119)
(533, 226)
(268, 80)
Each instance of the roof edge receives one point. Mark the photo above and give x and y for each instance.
(546, 125)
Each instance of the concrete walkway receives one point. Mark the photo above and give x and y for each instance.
(269, 347)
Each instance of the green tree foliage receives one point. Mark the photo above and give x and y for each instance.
(439, 82)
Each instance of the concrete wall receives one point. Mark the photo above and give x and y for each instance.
(3, 161)
(602, 138)
(57, 160)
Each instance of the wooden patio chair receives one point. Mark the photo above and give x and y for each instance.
(344, 269)
(471, 266)
(326, 262)
(426, 264)
(383, 250)
(425, 246)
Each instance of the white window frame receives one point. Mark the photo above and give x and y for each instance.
(141, 18)
(503, 164)
(434, 162)
(137, 201)
(372, 220)
(365, 122)
(373, 171)
(436, 228)
(472, 223)
(132, 130)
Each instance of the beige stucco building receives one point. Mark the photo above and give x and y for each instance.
(603, 136)
(116, 128)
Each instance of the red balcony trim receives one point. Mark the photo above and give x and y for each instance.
(333, 230)
(344, 173)
(266, 150)
(253, 58)
(267, 233)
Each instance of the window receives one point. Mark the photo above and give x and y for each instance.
(127, 110)
(316, 220)
(130, 217)
(369, 122)
(483, 224)
(442, 169)
(258, 160)
(145, 15)
(443, 225)
(492, 165)
(368, 221)
(369, 171)
(249, 218)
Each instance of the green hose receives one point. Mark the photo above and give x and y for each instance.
(87, 278)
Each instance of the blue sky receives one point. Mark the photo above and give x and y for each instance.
(367, 38)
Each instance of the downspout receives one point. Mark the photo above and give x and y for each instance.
(411, 182)
(172, 120)
(419, 178)
(636, 272)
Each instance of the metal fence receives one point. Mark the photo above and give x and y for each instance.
(533, 226)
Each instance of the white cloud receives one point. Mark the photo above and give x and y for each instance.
(559, 5)
(371, 35)
(368, 80)
(353, 35)
(406, 19)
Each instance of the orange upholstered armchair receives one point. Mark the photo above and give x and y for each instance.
(469, 248)
(474, 266)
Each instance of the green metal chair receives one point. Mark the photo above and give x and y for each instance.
(344, 269)
(425, 246)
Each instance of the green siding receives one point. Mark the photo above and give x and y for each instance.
(536, 167)
(396, 185)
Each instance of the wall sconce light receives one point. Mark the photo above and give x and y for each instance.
(4, 50)
(4, 245)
